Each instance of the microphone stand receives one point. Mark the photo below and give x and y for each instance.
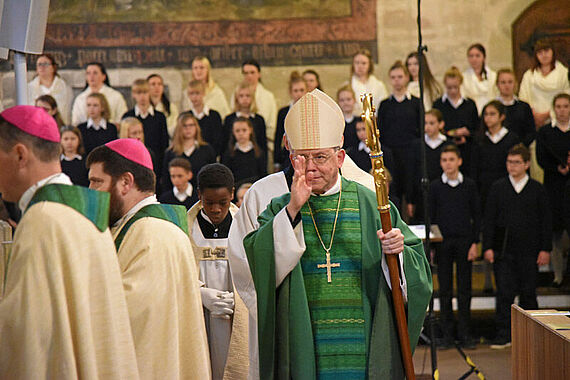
(425, 190)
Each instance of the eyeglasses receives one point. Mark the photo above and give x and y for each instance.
(515, 162)
(318, 159)
(43, 64)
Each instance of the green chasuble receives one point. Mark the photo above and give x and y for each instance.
(306, 321)
(92, 204)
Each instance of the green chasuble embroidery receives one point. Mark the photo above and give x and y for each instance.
(171, 213)
(337, 315)
(92, 204)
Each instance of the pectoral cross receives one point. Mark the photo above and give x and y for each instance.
(328, 265)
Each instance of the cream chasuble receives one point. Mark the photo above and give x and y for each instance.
(63, 313)
(161, 288)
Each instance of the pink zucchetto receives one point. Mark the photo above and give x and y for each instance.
(34, 121)
(132, 150)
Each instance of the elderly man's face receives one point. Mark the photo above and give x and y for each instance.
(323, 164)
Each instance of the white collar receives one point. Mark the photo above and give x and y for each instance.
(497, 137)
(400, 99)
(189, 151)
(206, 216)
(246, 148)
(102, 124)
(25, 199)
(63, 157)
(452, 182)
(181, 196)
(519, 186)
(333, 190)
(434, 143)
(556, 124)
(240, 114)
(151, 199)
(149, 111)
(364, 147)
(205, 112)
(456, 106)
(349, 119)
(509, 103)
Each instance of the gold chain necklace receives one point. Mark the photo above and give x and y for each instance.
(328, 264)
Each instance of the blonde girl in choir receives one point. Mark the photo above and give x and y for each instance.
(479, 80)
(215, 98)
(363, 80)
(161, 102)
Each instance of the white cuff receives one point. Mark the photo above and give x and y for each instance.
(289, 245)
(403, 284)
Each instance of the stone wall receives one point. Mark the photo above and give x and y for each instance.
(449, 27)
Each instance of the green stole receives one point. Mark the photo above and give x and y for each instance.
(286, 340)
(171, 213)
(336, 308)
(92, 204)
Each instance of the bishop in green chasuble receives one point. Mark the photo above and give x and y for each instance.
(322, 283)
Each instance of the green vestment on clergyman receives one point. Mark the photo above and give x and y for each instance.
(290, 344)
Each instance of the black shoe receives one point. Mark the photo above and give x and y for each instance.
(500, 343)
(488, 291)
(556, 284)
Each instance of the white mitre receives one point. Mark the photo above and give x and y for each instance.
(314, 122)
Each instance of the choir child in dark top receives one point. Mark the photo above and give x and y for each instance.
(297, 88)
(518, 114)
(72, 162)
(399, 121)
(97, 130)
(434, 141)
(455, 208)
(552, 149)
(153, 121)
(491, 147)
(360, 153)
(243, 156)
(210, 120)
(346, 100)
(182, 193)
(517, 238)
(244, 100)
(187, 143)
(460, 115)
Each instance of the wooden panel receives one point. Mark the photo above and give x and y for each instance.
(541, 350)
